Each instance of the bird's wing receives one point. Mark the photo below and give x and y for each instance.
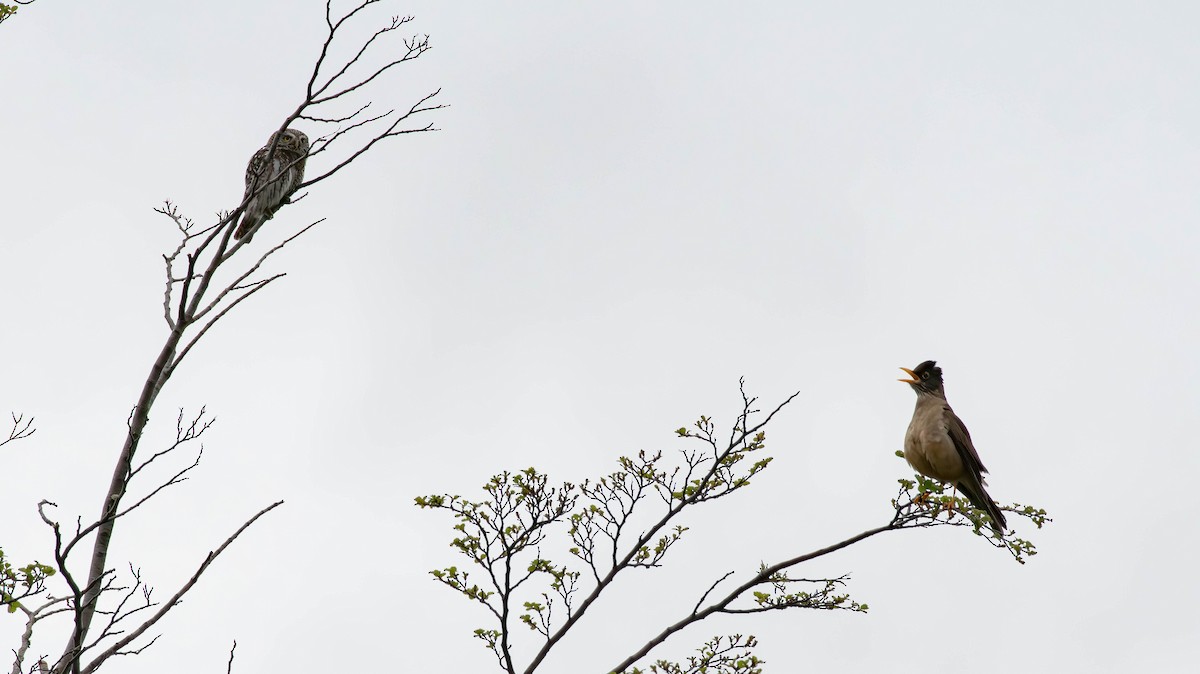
(255, 169)
(972, 487)
(962, 442)
(971, 484)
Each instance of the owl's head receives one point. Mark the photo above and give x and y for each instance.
(291, 141)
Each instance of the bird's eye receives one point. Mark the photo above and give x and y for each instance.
(924, 375)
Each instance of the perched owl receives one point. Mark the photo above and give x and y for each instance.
(292, 147)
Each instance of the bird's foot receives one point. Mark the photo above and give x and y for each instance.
(921, 500)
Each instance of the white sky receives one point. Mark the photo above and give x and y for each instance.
(628, 208)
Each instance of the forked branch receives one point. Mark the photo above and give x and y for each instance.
(21, 428)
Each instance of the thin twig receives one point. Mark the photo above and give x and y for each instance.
(710, 589)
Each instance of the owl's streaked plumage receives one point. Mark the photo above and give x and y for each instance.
(292, 147)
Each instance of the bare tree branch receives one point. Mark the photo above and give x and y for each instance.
(389, 132)
(710, 589)
(21, 428)
(118, 647)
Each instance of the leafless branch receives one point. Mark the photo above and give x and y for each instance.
(120, 646)
(139, 649)
(391, 131)
(710, 589)
(252, 288)
(175, 479)
(120, 612)
(335, 120)
(21, 428)
(183, 434)
(238, 282)
(235, 286)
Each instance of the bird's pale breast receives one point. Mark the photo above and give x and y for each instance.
(928, 447)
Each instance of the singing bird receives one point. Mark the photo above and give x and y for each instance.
(272, 184)
(937, 444)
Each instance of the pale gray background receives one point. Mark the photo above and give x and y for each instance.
(628, 208)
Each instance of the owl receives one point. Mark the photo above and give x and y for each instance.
(292, 147)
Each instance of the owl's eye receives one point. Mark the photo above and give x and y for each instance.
(287, 137)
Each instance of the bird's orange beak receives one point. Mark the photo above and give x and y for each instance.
(911, 374)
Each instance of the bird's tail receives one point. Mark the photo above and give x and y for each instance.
(979, 498)
(248, 223)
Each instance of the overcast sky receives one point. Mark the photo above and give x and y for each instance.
(626, 209)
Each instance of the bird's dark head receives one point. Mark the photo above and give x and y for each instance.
(925, 378)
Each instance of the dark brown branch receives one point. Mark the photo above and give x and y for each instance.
(710, 589)
(175, 479)
(415, 49)
(325, 142)
(194, 430)
(396, 23)
(333, 28)
(21, 429)
(415, 109)
(335, 120)
(120, 613)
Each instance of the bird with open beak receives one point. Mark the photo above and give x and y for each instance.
(938, 446)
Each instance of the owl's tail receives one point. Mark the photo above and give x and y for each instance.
(248, 223)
